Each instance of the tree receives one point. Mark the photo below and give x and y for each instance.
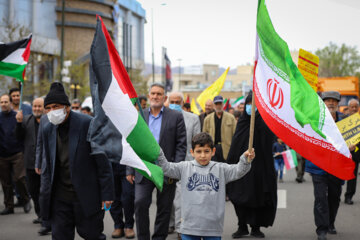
(338, 61)
(138, 81)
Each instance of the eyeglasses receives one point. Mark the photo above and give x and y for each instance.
(76, 108)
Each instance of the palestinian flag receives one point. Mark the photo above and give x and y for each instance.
(291, 108)
(13, 58)
(114, 96)
(290, 158)
(227, 104)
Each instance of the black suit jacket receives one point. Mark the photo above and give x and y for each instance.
(172, 137)
(25, 131)
(91, 175)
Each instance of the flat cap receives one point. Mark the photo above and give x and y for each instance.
(331, 94)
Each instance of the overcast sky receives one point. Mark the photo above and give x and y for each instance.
(223, 31)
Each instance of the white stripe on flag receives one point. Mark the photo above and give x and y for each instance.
(118, 107)
(16, 57)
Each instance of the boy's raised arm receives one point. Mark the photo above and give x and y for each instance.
(172, 170)
(237, 171)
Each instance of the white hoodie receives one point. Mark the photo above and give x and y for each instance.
(203, 192)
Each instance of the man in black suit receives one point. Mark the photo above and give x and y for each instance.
(168, 128)
(27, 132)
(75, 183)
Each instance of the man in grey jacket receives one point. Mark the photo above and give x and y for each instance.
(203, 187)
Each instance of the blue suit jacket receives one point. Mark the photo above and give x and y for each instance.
(91, 175)
(172, 138)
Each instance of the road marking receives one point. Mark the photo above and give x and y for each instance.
(281, 203)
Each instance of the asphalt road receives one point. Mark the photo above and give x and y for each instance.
(294, 219)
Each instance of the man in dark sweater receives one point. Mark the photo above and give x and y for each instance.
(11, 159)
(76, 184)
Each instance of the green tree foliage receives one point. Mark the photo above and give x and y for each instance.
(138, 81)
(338, 61)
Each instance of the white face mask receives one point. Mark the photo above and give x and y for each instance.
(77, 111)
(57, 116)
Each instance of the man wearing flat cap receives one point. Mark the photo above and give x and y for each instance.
(75, 184)
(327, 188)
(221, 126)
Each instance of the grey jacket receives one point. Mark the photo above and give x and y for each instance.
(192, 125)
(203, 192)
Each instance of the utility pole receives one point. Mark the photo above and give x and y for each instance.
(62, 38)
(179, 59)
(152, 36)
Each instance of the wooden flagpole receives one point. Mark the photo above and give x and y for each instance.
(252, 124)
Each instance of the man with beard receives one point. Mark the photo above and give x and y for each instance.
(255, 195)
(14, 94)
(11, 159)
(27, 132)
(327, 188)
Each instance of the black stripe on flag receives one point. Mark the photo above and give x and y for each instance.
(103, 136)
(8, 48)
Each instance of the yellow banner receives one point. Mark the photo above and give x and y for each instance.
(308, 65)
(350, 129)
(193, 107)
(212, 91)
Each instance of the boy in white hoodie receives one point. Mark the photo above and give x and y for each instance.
(203, 188)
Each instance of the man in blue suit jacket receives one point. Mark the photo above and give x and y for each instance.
(168, 128)
(75, 184)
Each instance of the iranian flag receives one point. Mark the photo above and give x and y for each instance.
(291, 108)
(114, 97)
(290, 159)
(13, 58)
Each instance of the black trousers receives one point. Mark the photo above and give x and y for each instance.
(327, 192)
(12, 171)
(123, 206)
(33, 184)
(65, 216)
(351, 184)
(164, 202)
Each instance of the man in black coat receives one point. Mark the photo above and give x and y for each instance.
(168, 128)
(75, 184)
(27, 132)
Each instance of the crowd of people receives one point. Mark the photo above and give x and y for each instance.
(45, 157)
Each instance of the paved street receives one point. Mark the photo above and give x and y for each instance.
(294, 218)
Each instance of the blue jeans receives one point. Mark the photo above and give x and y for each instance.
(191, 237)
(279, 166)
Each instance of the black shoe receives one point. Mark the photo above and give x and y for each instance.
(27, 207)
(348, 201)
(44, 231)
(332, 230)
(7, 211)
(299, 180)
(322, 236)
(37, 220)
(240, 232)
(257, 233)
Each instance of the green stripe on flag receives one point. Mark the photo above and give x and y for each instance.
(157, 174)
(294, 157)
(308, 107)
(143, 142)
(12, 70)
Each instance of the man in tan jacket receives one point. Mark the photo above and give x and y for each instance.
(221, 127)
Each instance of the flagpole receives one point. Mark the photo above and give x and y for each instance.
(252, 124)
(21, 95)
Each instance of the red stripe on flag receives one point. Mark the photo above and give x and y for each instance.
(117, 66)
(286, 160)
(323, 155)
(26, 55)
(306, 60)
